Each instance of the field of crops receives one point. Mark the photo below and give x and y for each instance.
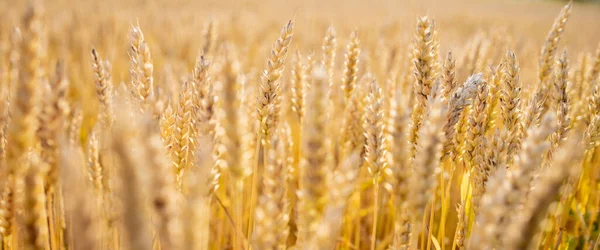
(263, 124)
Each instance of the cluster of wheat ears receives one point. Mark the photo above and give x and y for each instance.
(412, 151)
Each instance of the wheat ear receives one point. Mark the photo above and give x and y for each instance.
(424, 73)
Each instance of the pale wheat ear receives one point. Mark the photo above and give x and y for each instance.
(269, 102)
(459, 99)
(104, 88)
(511, 104)
(474, 151)
(299, 85)
(185, 133)
(449, 75)
(270, 97)
(549, 48)
(562, 103)
(539, 102)
(141, 70)
(351, 65)
(424, 66)
(593, 99)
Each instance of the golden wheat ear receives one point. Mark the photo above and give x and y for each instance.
(424, 65)
(351, 66)
(104, 88)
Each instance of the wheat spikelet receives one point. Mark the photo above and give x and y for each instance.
(203, 98)
(435, 50)
(310, 63)
(75, 121)
(334, 92)
(376, 153)
(474, 156)
(93, 161)
(594, 101)
(549, 49)
(7, 207)
(352, 133)
(534, 110)
(460, 99)
(562, 113)
(462, 225)
(424, 73)
(298, 86)
(141, 67)
(480, 169)
(270, 93)
(449, 75)
(477, 121)
(547, 56)
(495, 88)
(329, 47)
(594, 98)
(181, 151)
(592, 133)
(351, 66)
(104, 88)
(208, 121)
(511, 105)
(167, 127)
(496, 148)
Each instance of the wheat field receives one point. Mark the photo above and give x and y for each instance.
(238, 124)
